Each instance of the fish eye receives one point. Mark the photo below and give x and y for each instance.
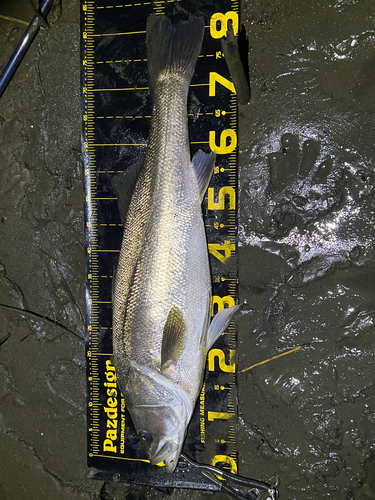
(145, 437)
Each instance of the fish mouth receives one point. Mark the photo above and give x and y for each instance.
(166, 448)
(171, 462)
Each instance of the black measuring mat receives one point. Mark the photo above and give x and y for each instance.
(116, 117)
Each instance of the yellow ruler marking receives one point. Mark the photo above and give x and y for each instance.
(120, 34)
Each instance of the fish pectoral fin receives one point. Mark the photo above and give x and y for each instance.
(174, 338)
(124, 185)
(204, 166)
(220, 323)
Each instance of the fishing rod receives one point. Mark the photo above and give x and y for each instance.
(25, 42)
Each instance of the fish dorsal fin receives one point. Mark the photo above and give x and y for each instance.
(174, 337)
(220, 323)
(204, 166)
(124, 185)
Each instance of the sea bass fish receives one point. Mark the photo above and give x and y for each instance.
(162, 291)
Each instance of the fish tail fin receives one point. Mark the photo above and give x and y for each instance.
(173, 48)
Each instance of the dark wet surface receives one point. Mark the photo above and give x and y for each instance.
(306, 257)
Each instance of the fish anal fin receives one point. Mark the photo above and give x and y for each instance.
(174, 338)
(220, 323)
(204, 166)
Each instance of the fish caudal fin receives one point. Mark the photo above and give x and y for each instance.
(172, 48)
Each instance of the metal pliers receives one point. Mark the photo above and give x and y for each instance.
(223, 480)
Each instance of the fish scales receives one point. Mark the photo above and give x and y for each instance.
(164, 232)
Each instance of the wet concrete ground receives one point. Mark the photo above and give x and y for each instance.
(306, 259)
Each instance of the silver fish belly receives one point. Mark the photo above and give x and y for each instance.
(162, 292)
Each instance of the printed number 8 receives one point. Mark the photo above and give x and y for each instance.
(223, 20)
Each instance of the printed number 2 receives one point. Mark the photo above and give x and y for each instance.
(229, 367)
